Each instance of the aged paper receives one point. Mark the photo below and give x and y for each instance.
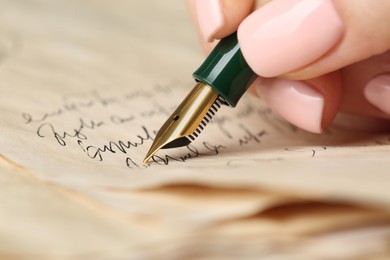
(39, 222)
(86, 96)
(84, 88)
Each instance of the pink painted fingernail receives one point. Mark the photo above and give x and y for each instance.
(295, 101)
(377, 92)
(210, 17)
(285, 35)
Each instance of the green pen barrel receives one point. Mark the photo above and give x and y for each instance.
(226, 70)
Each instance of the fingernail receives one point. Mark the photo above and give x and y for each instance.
(283, 36)
(377, 92)
(210, 17)
(295, 101)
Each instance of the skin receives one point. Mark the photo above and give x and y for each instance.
(342, 73)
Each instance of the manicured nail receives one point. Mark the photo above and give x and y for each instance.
(295, 101)
(283, 36)
(377, 92)
(210, 17)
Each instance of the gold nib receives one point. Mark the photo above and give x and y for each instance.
(188, 120)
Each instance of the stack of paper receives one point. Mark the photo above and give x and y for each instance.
(85, 85)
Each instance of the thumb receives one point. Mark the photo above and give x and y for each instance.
(301, 39)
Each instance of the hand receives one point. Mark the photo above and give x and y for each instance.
(315, 58)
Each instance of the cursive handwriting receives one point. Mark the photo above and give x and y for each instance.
(67, 107)
(193, 152)
(89, 100)
(97, 152)
(120, 113)
(250, 136)
(60, 136)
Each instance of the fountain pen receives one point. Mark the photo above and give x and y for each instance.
(222, 79)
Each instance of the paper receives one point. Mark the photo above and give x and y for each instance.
(84, 88)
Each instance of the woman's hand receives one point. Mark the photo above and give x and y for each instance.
(315, 58)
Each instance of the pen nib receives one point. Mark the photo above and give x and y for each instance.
(188, 120)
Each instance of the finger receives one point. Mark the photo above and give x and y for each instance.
(307, 38)
(367, 87)
(206, 45)
(218, 18)
(310, 104)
